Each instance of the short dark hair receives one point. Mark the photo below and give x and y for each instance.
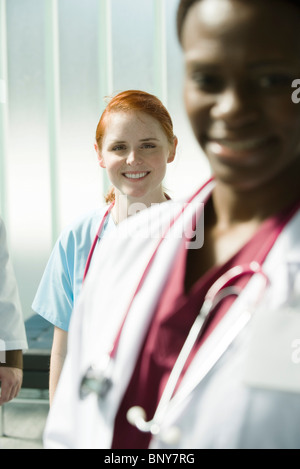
(183, 8)
(185, 5)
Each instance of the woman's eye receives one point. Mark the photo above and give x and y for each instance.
(207, 82)
(274, 81)
(148, 145)
(118, 148)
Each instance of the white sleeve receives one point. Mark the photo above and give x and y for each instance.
(12, 329)
(62, 427)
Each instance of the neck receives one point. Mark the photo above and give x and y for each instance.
(232, 206)
(126, 206)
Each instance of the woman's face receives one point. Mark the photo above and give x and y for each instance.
(135, 152)
(241, 59)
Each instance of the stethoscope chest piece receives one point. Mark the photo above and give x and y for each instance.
(95, 382)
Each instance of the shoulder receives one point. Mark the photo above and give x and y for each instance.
(83, 228)
(85, 221)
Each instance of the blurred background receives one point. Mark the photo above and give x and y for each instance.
(59, 59)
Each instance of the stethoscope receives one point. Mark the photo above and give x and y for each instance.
(218, 291)
(99, 381)
(96, 239)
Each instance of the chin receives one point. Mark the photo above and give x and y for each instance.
(241, 182)
(136, 194)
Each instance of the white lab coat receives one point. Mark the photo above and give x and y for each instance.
(221, 403)
(12, 330)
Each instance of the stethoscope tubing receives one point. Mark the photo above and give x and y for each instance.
(218, 291)
(96, 239)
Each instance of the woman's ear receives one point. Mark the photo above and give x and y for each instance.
(173, 150)
(100, 158)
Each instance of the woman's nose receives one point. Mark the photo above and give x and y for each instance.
(133, 158)
(235, 108)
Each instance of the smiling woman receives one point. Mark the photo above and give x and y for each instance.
(135, 140)
(135, 151)
(238, 89)
(134, 143)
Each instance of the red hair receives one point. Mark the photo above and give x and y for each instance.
(139, 101)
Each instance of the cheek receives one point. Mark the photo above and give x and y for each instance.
(159, 160)
(190, 100)
(113, 168)
(283, 111)
(111, 163)
(198, 108)
(287, 124)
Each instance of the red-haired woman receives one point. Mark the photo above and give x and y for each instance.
(134, 142)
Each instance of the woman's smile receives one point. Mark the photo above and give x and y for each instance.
(239, 149)
(136, 176)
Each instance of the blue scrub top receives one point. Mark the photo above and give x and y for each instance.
(63, 276)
